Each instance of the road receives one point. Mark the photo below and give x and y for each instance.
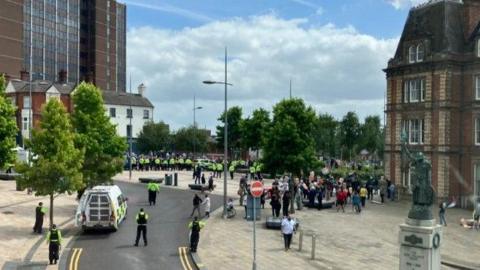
(167, 232)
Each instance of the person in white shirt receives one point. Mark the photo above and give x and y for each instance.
(288, 226)
(206, 202)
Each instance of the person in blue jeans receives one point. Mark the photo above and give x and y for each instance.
(356, 202)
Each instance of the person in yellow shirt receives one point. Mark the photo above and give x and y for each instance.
(363, 195)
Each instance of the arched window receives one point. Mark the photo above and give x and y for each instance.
(412, 54)
(420, 52)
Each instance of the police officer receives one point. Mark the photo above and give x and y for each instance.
(39, 216)
(54, 241)
(153, 189)
(195, 227)
(142, 219)
(232, 169)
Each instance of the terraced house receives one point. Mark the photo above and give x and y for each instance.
(433, 95)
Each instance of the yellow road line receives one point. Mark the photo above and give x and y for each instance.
(186, 258)
(75, 250)
(78, 258)
(180, 254)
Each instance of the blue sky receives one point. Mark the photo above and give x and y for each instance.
(375, 17)
(333, 51)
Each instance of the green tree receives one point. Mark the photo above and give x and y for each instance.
(254, 129)
(56, 167)
(8, 127)
(289, 144)
(185, 137)
(349, 133)
(234, 117)
(326, 135)
(154, 137)
(104, 149)
(371, 135)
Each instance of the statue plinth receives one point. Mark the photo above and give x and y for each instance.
(420, 242)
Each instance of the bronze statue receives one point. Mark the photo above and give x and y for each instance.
(421, 179)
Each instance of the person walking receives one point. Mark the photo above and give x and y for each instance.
(196, 205)
(195, 226)
(286, 202)
(363, 195)
(341, 197)
(54, 241)
(370, 189)
(206, 204)
(298, 196)
(288, 227)
(356, 200)
(441, 213)
(383, 189)
(40, 212)
(142, 219)
(319, 197)
(210, 183)
(153, 189)
(231, 169)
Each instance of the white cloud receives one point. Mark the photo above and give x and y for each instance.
(333, 69)
(401, 4)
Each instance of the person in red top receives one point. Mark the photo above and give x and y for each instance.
(341, 197)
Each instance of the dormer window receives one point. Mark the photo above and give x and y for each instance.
(416, 53)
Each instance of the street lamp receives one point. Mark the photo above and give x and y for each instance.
(195, 108)
(225, 136)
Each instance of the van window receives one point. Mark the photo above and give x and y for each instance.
(120, 200)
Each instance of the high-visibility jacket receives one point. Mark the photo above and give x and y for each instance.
(134, 160)
(147, 161)
(232, 168)
(172, 161)
(188, 162)
(54, 236)
(153, 186)
(180, 161)
(219, 167)
(157, 161)
(142, 161)
(252, 169)
(165, 162)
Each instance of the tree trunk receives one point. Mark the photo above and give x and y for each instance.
(51, 210)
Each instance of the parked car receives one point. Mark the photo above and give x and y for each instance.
(102, 207)
(204, 163)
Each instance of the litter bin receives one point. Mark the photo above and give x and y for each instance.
(250, 206)
(168, 180)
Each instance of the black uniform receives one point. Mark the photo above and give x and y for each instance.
(39, 214)
(54, 239)
(194, 236)
(142, 219)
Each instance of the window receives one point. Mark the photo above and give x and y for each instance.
(53, 95)
(414, 90)
(13, 100)
(113, 112)
(129, 113)
(420, 52)
(412, 54)
(26, 102)
(478, 48)
(129, 131)
(477, 131)
(25, 123)
(477, 180)
(146, 114)
(415, 130)
(477, 87)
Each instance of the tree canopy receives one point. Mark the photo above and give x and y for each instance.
(349, 134)
(234, 117)
(254, 129)
(326, 136)
(185, 137)
(8, 127)
(371, 135)
(154, 137)
(289, 144)
(104, 149)
(57, 163)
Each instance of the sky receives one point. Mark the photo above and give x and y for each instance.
(333, 51)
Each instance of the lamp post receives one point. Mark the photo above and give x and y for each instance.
(195, 108)
(225, 136)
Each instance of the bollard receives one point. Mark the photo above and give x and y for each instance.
(300, 240)
(314, 238)
(175, 179)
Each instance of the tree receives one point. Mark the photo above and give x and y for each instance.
(349, 133)
(104, 149)
(8, 127)
(185, 137)
(56, 167)
(289, 144)
(154, 137)
(326, 135)
(371, 135)
(234, 117)
(253, 129)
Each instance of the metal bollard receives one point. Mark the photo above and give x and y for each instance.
(300, 240)
(314, 238)
(175, 179)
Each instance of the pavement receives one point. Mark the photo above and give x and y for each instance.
(343, 240)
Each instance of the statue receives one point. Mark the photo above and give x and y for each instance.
(423, 193)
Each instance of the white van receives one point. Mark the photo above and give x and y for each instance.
(101, 207)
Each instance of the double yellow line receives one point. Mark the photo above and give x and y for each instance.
(182, 252)
(75, 258)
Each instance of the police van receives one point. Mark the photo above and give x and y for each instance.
(102, 207)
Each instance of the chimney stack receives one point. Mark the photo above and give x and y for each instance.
(141, 89)
(24, 75)
(62, 76)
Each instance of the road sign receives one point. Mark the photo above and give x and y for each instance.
(256, 189)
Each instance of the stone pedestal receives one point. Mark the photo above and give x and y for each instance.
(420, 243)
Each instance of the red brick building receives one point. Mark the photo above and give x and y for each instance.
(433, 95)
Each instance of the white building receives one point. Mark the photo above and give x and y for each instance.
(129, 112)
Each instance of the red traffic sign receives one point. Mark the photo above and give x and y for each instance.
(256, 189)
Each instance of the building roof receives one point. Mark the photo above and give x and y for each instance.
(41, 86)
(125, 99)
(438, 22)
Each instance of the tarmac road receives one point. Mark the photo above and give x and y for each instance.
(167, 231)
